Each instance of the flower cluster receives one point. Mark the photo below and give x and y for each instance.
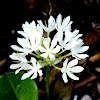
(47, 50)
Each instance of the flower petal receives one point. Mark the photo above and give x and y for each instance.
(64, 76)
(72, 63)
(42, 49)
(72, 76)
(51, 24)
(52, 57)
(33, 60)
(46, 43)
(65, 63)
(83, 49)
(45, 55)
(41, 24)
(66, 21)
(40, 72)
(56, 49)
(27, 75)
(18, 70)
(14, 66)
(77, 69)
(34, 75)
(58, 21)
(22, 33)
(81, 56)
(53, 43)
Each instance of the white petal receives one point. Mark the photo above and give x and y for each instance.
(40, 72)
(45, 55)
(38, 65)
(72, 76)
(72, 63)
(77, 69)
(51, 24)
(14, 66)
(33, 60)
(41, 24)
(66, 21)
(46, 43)
(34, 75)
(27, 75)
(26, 66)
(42, 49)
(53, 43)
(83, 49)
(64, 76)
(22, 33)
(65, 63)
(59, 20)
(82, 56)
(52, 57)
(18, 70)
(17, 48)
(56, 49)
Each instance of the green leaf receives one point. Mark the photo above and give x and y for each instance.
(13, 88)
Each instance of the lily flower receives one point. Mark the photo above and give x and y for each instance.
(33, 70)
(78, 49)
(69, 69)
(49, 51)
(51, 24)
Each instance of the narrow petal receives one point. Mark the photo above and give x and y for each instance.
(83, 49)
(64, 76)
(18, 70)
(73, 63)
(27, 75)
(58, 21)
(42, 49)
(65, 63)
(41, 24)
(66, 21)
(34, 75)
(53, 43)
(51, 24)
(22, 33)
(52, 57)
(46, 43)
(72, 76)
(45, 55)
(14, 66)
(56, 49)
(38, 65)
(33, 60)
(82, 56)
(77, 69)
(17, 48)
(40, 72)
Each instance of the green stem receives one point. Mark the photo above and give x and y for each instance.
(47, 83)
(48, 34)
(56, 67)
(66, 55)
(60, 52)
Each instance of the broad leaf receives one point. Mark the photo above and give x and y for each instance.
(13, 88)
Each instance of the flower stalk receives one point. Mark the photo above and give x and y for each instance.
(47, 83)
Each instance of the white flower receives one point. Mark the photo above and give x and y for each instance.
(78, 49)
(20, 59)
(51, 24)
(33, 70)
(32, 38)
(49, 50)
(63, 25)
(25, 46)
(18, 56)
(69, 69)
